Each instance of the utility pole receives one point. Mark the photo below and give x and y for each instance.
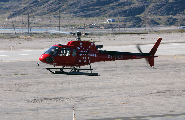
(28, 23)
(145, 17)
(59, 20)
(28, 20)
(22, 16)
(118, 23)
(46, 16)
(84, 28)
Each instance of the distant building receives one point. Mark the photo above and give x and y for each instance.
(182, 27)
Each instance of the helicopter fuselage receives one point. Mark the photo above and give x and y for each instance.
(80, 53)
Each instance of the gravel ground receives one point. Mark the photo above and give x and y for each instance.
(123, 89)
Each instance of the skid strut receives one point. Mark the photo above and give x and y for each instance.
(74, 71)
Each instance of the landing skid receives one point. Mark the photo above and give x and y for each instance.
(74, 71)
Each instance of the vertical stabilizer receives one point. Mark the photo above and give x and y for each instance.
(151, 61)
(154, 49)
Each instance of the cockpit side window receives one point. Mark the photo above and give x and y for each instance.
(65, 52)
(53, 50)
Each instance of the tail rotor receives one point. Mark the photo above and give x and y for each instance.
(150, 58)
(139, 49)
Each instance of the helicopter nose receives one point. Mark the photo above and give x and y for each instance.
(46, 58)
(41, 58)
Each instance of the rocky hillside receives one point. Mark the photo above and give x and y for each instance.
(155, 12)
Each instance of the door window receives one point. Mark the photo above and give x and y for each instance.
(65, 52)
(74, 52)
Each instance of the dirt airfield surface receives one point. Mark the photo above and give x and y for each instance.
(128, 89)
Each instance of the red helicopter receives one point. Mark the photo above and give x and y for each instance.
(80, 53)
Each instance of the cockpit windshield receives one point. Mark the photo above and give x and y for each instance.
(53, 50)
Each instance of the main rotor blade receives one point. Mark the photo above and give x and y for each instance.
(61, 32)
